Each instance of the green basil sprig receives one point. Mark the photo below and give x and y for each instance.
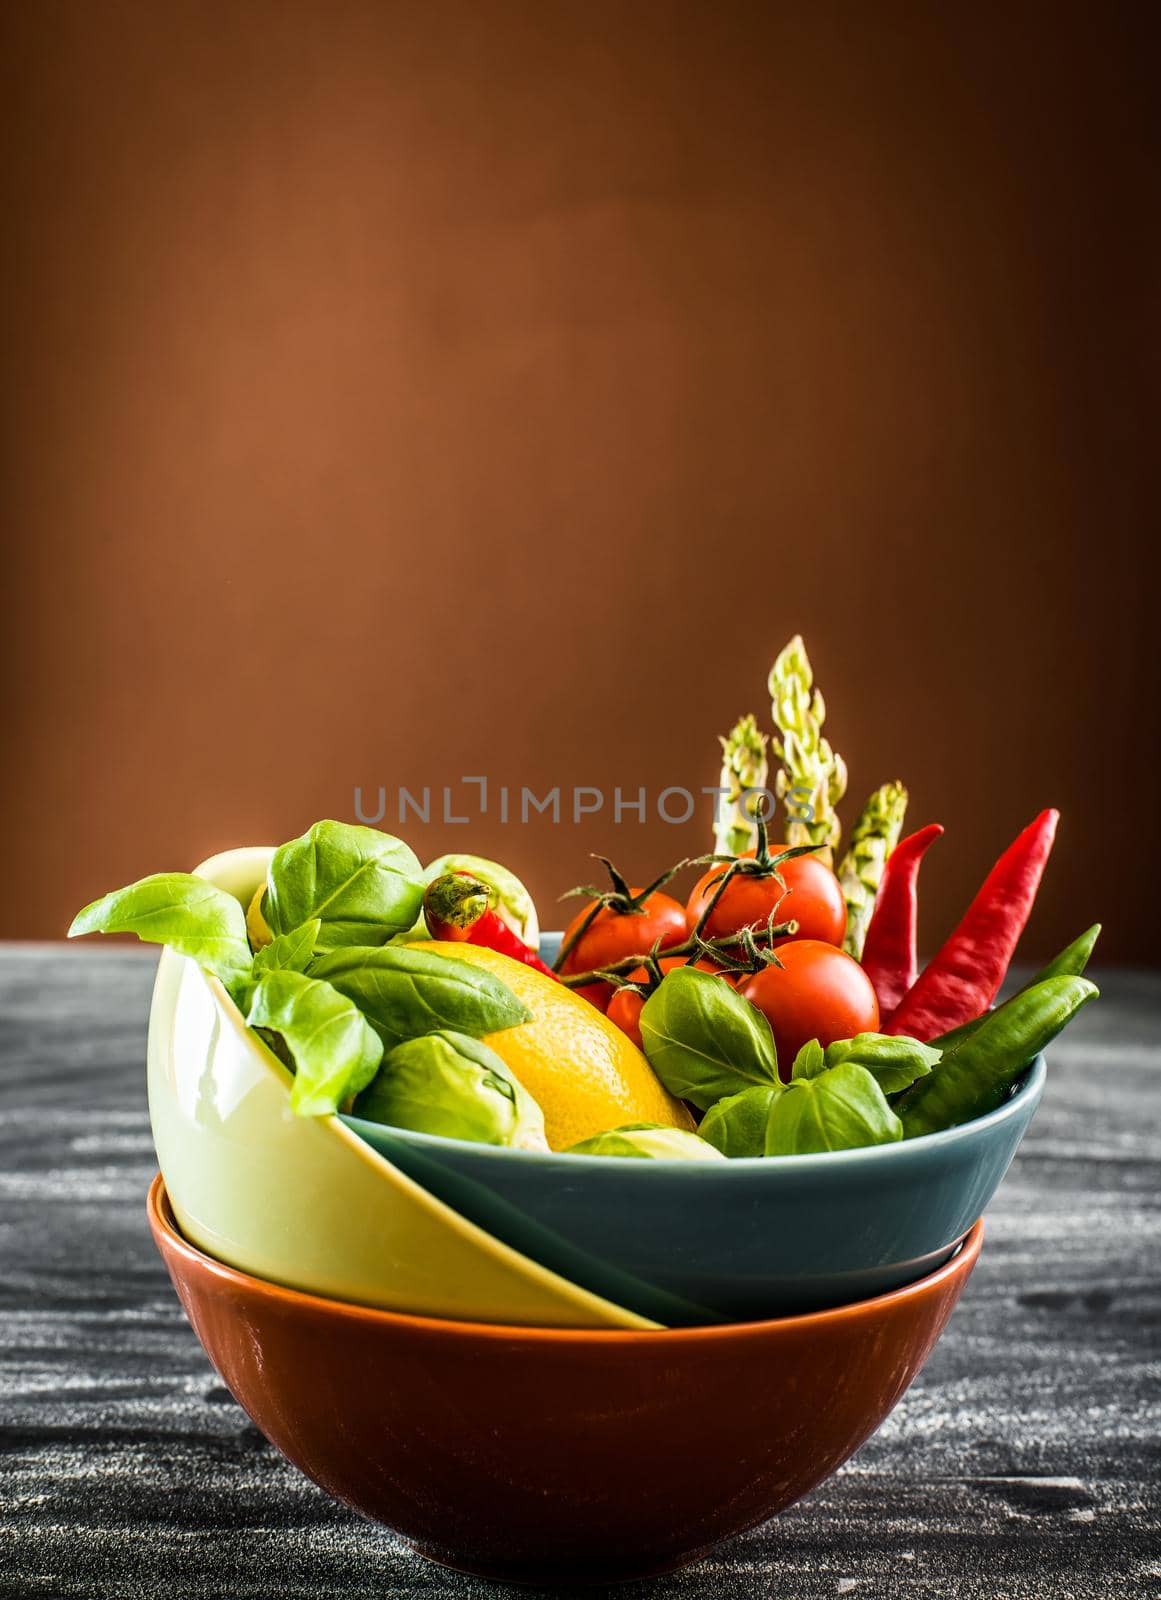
(334, 1051)
(405, 993)
(363, 886)
(843, 1108)
(827, 1108)
(737, 1125)
(893, 1060)
(187, 913)
(651, 1141)
(449, 1084)
(703, 1040)
(289, 952)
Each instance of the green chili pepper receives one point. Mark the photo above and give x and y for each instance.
(973, 1077)
(1071, 962)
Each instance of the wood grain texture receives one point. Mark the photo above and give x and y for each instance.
(1023, 1463)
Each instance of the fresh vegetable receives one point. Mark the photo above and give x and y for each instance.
(180, 910)
(457, 907)
(838, 1107)
(963, 979)
(584, 1074)
(873, 837)
(617, 923)
(332, 1048)
(743, 778)
(727, 953)
(811, 779)
(895, 1062)
(842, 1108)
(290, 952)
(813, 991)
(449, 1084)
(1073, 959)
(703, 1040)
(363, 886)
(649, 1140)
(889, 949)
(1071, 962)
(975, 1075)
(737, 1125)
(510, 899)
(405, 991)
(624, 1009)
(808, 894)
(810, 1061)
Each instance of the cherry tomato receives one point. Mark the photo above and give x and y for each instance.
(612, 935)
(625, 1011)
(814, 898)
(597, 994)
(817, 993)
(625, 1007)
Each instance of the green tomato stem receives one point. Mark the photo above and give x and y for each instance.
(688, 947)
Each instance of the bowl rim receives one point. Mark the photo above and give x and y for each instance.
(1028, 1088)
(169, 1239)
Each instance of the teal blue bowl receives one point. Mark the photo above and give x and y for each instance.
(692, 1243)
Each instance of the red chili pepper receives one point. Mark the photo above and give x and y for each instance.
(889, 956)
(963, 979)
(458, 906)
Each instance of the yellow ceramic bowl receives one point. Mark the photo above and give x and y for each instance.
(302, 1201)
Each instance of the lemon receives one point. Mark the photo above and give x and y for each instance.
(582, 1071)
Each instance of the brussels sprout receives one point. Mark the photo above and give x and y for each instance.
(449, 1084)
(651, 1140)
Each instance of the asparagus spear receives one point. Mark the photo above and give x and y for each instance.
(873, 837)
(811, 779)
(743, 768)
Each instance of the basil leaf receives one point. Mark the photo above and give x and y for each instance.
(448, 1084)
(290, 952)
(842, 1109)
(737, 1125)
(703, 1040)
(809, 1061)
(334, 1051)
(893, 1060)
(187, 913)
(363, 886)
(405, 993)
(650, 1141)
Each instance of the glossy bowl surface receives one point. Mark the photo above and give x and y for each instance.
(550, 1455)
(303, 1201)
(690, 1243)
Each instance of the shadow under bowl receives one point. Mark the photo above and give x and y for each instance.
(557, 1455)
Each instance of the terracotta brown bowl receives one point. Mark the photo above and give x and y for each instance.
(557, 1455)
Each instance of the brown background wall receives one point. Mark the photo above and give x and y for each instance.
(401, 391)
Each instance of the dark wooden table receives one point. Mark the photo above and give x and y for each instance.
(1024, 1461)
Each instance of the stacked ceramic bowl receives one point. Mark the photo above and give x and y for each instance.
(534, 1366)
